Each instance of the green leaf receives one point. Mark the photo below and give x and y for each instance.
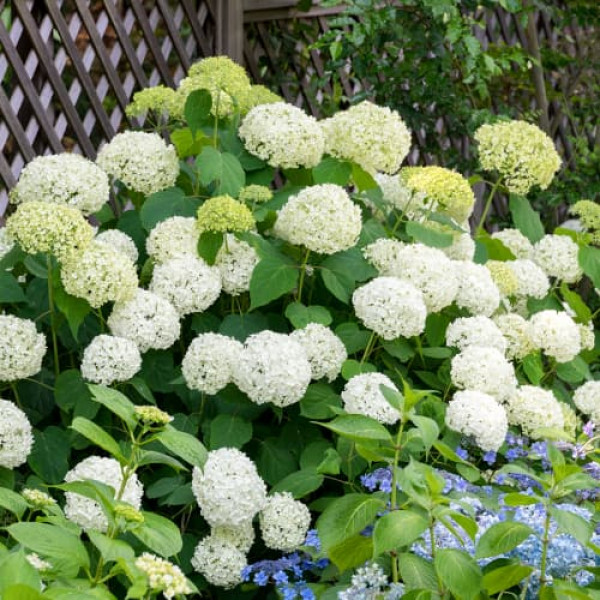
(428, 429)
(49, 458)
(572, 524)
(331, 463)
(12, 502)
(21, 592)
(351, 264)
(197, 109)
(505, 577)
(74, 309)
(15, 570)
(159, 534)
(428, 236)
(37, 265)
(64, 549)
(10, 290)
(223, 169)
(459, 573)
(359, 428)
(576, 303)
(151, 457)
(168, 203)
(229, 431)
(526, 220)
(351, 368)
(116, 402)
(300, 484)
(300, 316)
(362, 179)
(354, 338)
(534, 368)
(72, 394)
(574, 371)
(399, 348)
(184, 446)
(396, 529)
(187, 144)
(340, 285)
(209, 244)
(332, 170)
(589, 261)
(515, 499)
(351, 552)
(110, 549)
(274, 276)
(319, 402)
(502, 537)
(242, 326)
(416, 572)
(98, 436)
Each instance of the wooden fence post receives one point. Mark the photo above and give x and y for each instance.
(230, 29)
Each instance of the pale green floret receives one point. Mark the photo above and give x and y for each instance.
(37, 498)
(152, 415)
(223, 213)
(159, 99)
(589, 215)
(521, 153)
(259, 94)
(128, 512)
(255, 194)
(504, 277)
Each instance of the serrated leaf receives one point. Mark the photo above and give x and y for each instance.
(397, 529)
(300, 315)
(501, 538)
(98, 436)
(159, 534)
(110, 549)
(197, 109)
(221, 168)
(572, 524)
(417, 573)
(167, 203)
(351, 552)
(319, 402)
(74, 309)
(589, 261)
(229, 431)
(332, 170)
(428, 236)
(526, 220)
(428, 429)
(351, 368)
(505, 577)
(534, 368)
(12, 502)
(116, 402)
(459, 573)
(273, 277)
(300, 483)
(184, 446)
(358, 428)
(209, 244)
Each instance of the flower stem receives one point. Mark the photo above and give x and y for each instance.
(394, 492)
(52, 317)
(302, 274)
(369, 348)
(13, 385)
(544, 559)
(488, 203)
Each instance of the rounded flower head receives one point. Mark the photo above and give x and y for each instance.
(148, 320)
(475, 331)
(22, 349)
(188, 283)
(383, 254)
(587, 400)
(504, 277)
(37, 498)
(521, 153)
(208, 363)
(16, 438)
(152, 416)
(484, 370)
(142, 161)
(449, 190)
(242, 536)
(63, 179)
(390, 307)
(516, 242)
(163, 576)
(325, 351)
(159, 99)
(557, 255)
(272, 368)
(462, 247)
(228, 489)
(517, 333)
(219, 561)
(532, 281)
(119, 241)
(110, 359)
(322, 218)
(173, 238)
(556, 334)
(282, 135)
(284, 522)
(99, 275)
(479, 416)
(236, 260)
(56, 229)
(374, 137)
(477, 291)
(223, 213)
(533, 408)
(255, 194)
(411, 203)
(362, 396)
(87, 513)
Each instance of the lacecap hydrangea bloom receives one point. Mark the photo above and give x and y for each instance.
(119, 241)
(228, 489)
(68, 179)
(587, 400)
(109, 359)
(188, 283)
(236, 260)
(163, 576)
(99, 275)
(147, 319)
(325, 351)
(282, 135)
(476, 291)
(53, 228)
(362, 395)
(475, 331)
(391, 307)
(241, 536)
(322, 218)
(22, 348)
(142, 161)
(517, 334)
(479, 416)
(521, 153)
(284, 522)
(208, 363)
(272, 367)
(87, 513)
(223, 213)
(533, 409)
(374, 137)
(219, 561)
(557, 256)
(173, 238)
(556, 334)
(16, 438)
(515, 241)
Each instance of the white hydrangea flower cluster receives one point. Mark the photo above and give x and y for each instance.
(188, 283)
(556, 334)
(414, 205)
(120, 242)
(391, 307)
(208, 363)
(16, 438)
(557, 256)
(587, 400)
(484, 370)
(533, 408)
(99, 275)
(320, 217)
(236, 260)
(282, 135)
(520, 152)
(37, 498)
(476, 291)
(229, 490)
(109, 359)
(383, 253)
(7, 242)
(163, 576)
(272, 368)
(241, 536)
(587, 334)
(516, 242)
(284, 522)
(22, 349)
(219, 561)
(374, 137)
(142, 161)
(147, 319)
(532, 281)
(87, 513)
(478, 415)
(173, 238)
(362, 395)
(461, 249)
(325, 351)
(65, 178)
(475, 331)
(517, 334)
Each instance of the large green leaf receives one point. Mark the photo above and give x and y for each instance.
(184, 446)
(197, 109)
(428, 236)
(12, 502)
(351, 552)
(229, 431)
(501, 538)
(168, 203)
(589, 261)
(160, 534)
(221, 168)
(359, 428)
(416, 572)
(110, 549)
(396, 529)
(116, 402)
(300, 315)
(74, 309)
(459, 573)
(300, 484)
(332, 170)
(98, 436)
(505, 577)
(10, 290)
(274, 276)
(72, 394)
(319, 402)
(573, 524)
(526, 220)
(49, 458)
(15, 569)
